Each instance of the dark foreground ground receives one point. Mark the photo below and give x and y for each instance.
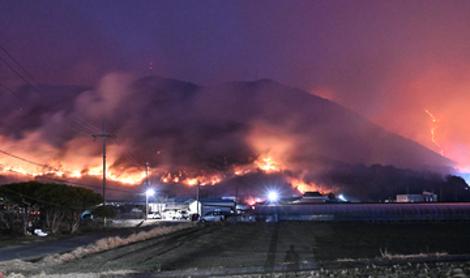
(32, 247)
(338, 249)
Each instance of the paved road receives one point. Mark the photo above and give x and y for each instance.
(33, 250)
(36, 249)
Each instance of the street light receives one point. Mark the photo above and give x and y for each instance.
(148, 193)
(273, 196)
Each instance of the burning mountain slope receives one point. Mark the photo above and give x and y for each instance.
(195, 135)
(322, 130)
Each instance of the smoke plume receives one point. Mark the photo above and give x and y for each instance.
(241, 137)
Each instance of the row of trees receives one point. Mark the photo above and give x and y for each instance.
(53, 207)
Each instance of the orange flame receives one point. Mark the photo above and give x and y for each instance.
(433, 130)
(267, 164)
(129, 177)
(188, 180)
(80, 160)
(251, 201)
(303, 186)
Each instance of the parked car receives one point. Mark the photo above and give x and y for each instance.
(40, 232)
(247, 218)
(169, 214)
(182, 215)
(154, 215)
(213, 216)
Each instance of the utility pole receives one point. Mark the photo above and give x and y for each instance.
(103, 135)
(147, 183)
(198, 202)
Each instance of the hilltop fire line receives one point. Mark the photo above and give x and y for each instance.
(130, 177)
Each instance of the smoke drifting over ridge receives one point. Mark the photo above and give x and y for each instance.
(387, 60)
(258, 134)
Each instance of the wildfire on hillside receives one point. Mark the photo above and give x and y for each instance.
(189, 141)
(24, 168)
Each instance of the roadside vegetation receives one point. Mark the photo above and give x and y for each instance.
(55, 208)
(30, 267)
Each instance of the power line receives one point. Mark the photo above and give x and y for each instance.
(14, 70)
(56, 179)
(40, 165)
(85, 126)
(7, 89)
(11, 92)
(91, 128)
(17, 63)
(86, 185)
(81, 185)
(27, 160)
(75, 118)
(72, 183)
(129, 155)
(37, 200)
(77, 129)
(31, 83)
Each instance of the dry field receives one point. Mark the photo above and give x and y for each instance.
(302, 249)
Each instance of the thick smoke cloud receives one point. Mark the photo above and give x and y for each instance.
(388, 60)
(185, 129)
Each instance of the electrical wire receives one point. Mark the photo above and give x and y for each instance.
(55, 169)
(82, 125)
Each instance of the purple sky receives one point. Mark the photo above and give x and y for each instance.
(388, 60)
(302, 43)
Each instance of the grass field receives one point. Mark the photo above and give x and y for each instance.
(269, 247)
(357, 240)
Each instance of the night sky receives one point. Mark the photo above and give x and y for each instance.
(387, 60)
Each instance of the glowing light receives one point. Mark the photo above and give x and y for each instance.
(191, 181)
(150, 192)
(342, 198)
(273, 196)
(433, 130)
(188, 179)
(128, 176)
(267, 164)
(251, 201)
(303, 186)
(241, 170)
(171, 177)
(131, 178)
(75, 174)
(81, 162)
